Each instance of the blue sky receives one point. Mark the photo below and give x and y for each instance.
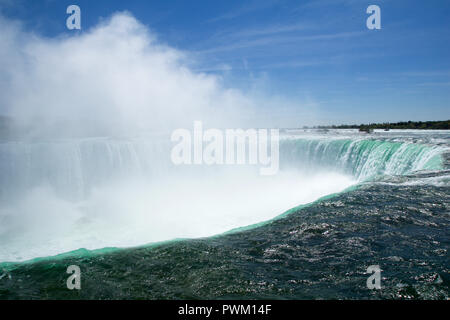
(319, 51)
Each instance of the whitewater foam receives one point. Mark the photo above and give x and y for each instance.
(134, 212)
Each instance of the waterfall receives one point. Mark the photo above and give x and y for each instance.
(362, 158)
(62, 195)
(73, 167)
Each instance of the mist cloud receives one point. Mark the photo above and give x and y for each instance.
(115, 78)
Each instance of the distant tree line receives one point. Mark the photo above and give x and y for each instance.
(7, 126)
(426, 125)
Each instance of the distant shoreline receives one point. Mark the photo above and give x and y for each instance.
(421, 125)
(9, 130)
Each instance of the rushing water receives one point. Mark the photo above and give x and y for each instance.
(342, 201)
